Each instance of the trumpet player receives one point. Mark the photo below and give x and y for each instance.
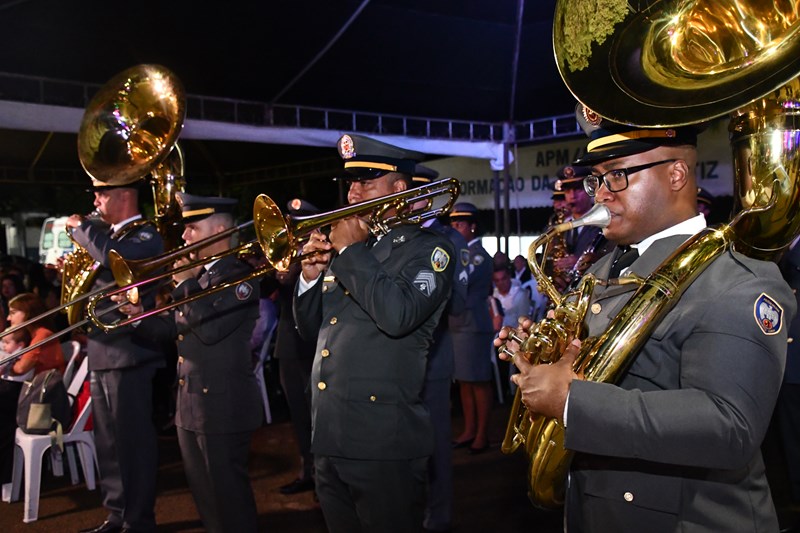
(373, 309)
(675, 444)
(122, 366)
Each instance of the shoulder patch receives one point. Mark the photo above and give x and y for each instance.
(145, 235)
(464, 256)
(477, 260)
(439, 259)
(425, 282)
(243, 291)
(768, 314)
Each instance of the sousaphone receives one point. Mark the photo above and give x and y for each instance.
(130, 130)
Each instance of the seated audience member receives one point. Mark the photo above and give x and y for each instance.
(23, 307)
(10, 387)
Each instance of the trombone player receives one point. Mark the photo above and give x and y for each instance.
(218, 403)
(122, 365)
(373, 309)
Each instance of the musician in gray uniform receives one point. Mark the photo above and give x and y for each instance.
(373, 309)
(675, 444)
(472, 332)
(122, 364)
(439, 377)
(218, 405)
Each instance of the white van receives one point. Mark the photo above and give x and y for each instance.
(54, 241)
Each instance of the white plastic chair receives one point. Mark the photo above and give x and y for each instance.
(263, 356)
(28, 455)
(73, 389)
(71, 350)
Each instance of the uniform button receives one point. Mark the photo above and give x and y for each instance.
(324, 352)
(334, 320)
(347, 293)
(181, 382)
(628, 496)
(321, 385)
(180, 313)
(180, 359)
(596, 308)
(324, 288)
(205, 390)
(372, 398)
(789, 339)
(180, 337)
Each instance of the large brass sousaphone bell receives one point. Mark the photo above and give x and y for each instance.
(672, 63)
(131, 124)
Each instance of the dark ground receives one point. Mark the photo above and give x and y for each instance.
(490, 490)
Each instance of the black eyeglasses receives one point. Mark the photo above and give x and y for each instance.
(616, 180)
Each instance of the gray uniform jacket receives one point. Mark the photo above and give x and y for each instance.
(676, 446)
(476, 317)
(375, 312)
(126, 346)
(217, 390)
(440, 360)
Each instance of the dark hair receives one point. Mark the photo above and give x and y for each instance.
(31, 306)
(16, 280)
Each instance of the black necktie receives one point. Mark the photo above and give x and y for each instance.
(625, 259)
(202, 278)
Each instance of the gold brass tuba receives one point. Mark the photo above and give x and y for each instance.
(673, 63)
(129, 130)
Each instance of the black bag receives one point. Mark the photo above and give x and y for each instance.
(43, 405)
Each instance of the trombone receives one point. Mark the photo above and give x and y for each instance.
(279, 237)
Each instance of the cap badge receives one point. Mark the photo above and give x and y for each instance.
(568, 172)
(347, 148)
(670, 133)
(768, 314)
(591, 117)
(297, 203)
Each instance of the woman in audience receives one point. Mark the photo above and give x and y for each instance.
(49, 355)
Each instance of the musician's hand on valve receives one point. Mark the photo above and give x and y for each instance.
(315, 263)
(348, 231)
(509, 338)
(74, 221)
(544, 387)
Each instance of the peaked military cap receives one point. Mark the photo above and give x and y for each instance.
(195, 208)
(366, 159)
(423, 174)
(464, 211)
(571, 177)
(98, 185)
(300, 207)
(611, 140)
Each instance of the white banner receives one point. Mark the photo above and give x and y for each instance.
(534, 169)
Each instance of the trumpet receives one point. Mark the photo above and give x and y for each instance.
(279, 237)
